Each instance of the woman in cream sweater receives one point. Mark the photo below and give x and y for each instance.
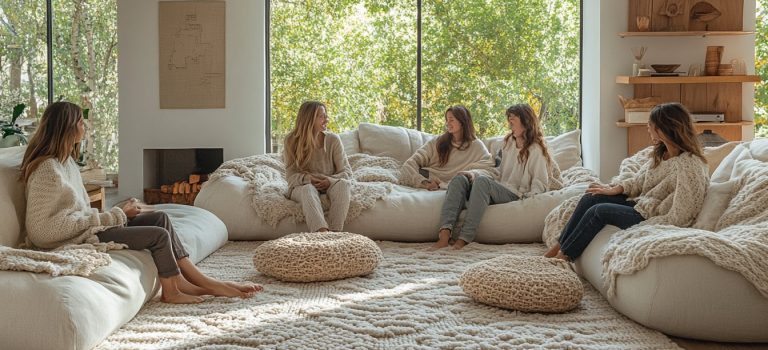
(439, 160)
(524, 171)
(669, 189)
(58, 212)
(315, 164)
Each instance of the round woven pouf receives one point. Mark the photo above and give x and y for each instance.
(317, 256)
(523, 283)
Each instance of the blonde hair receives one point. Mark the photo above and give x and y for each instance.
(675, 122)
(301, 141)
(54, 138)
(532, 133)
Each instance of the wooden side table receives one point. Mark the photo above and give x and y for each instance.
(96, 195)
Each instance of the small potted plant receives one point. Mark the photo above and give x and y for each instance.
(12, 135)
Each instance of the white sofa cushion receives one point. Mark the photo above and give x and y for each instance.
(715, 155)
(390, 141)
(717, 199)
(723, 171)
(351, 141)
(12, 202)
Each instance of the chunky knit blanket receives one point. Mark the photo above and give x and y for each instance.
(79, 260)
(267, 185)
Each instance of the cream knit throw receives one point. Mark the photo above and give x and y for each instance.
(740, 244)
(80, 260)
(265, 175)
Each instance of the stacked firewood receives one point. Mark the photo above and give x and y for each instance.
(180, 192)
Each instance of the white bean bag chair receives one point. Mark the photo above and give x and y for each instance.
(406, 214)
(523, 283)
(317, 256)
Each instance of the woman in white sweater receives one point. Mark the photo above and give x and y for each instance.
(58, 212)
(315, 164)
(524, 171)
(439, 160)
(668, 189)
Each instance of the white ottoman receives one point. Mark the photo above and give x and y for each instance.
(317, 256)
(523, 283)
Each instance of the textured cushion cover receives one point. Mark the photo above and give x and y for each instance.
(723, 171)
(717, 199)
(317, 256)
(12, 201)
(523, 283)
(715, 155)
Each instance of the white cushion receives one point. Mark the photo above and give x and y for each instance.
(12, 198)
(390, 141)
(723, 171)
(759, 149)
(715, 155)
(566, 149)
(351, 142)
(717, 199)
(317, 256)
(524, 283)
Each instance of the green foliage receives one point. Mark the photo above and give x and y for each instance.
(9, 128)
(761, 68)
(359, 57)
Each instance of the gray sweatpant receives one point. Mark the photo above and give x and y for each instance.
(152, 231)
(309, 198)
(476, 196)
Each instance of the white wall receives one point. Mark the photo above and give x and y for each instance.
(238, 128)
(607, 55)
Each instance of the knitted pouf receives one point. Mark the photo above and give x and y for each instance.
(524, 283)
(317, 256)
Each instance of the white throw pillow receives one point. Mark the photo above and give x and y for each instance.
(759, 149)
(565, 149)
(717, 199)
(723, 171)
(396, 142)
(350, 141)
(715, 155)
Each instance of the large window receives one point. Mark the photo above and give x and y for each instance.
(84, 63)
(361, 59)
(761, 66)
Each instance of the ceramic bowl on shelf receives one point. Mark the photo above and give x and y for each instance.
(664, 68)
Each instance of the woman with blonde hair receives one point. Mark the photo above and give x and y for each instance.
(439, 160)
(668, 189)
(524, 171)
(59, 212)
(315, 164)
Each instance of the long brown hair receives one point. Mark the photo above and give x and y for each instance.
(675, 122)
(532, 133)
(54, 138)
(301, 141)
(445, 141)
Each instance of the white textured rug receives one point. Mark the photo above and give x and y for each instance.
(412, 301)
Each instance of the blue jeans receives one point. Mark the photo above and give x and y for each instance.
(476, 196)
(592, 214)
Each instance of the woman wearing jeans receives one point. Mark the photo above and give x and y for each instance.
(669, 189)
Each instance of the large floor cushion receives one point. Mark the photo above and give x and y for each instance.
(71, 312)
(523, 283)
(406, 215)
(317, 256)
(685, 296)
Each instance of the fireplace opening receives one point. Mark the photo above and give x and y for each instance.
(176, 175)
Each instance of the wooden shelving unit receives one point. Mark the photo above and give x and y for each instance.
(702, 34)
(623, 79)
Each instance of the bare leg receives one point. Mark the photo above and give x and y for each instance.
(443, 237)
(172, 294)
(215, 287)
(552, 251)
(460, 243)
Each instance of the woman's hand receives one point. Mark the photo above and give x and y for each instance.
(131, 208)
(431, 185)
(605, 190)
(321, 184)
(468, 174)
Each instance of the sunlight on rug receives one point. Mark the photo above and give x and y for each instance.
(412, 301)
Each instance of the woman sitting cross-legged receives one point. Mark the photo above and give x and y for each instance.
(315, 163)
(668, 189)
(439, 160)
(524, 171)
(58, 212)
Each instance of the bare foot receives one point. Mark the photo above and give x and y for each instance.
(180, 298)
(552, 251)
(460, 243)
(442, 242)
(323, 230)
(245, 287)
(221, 289)
(560, 255)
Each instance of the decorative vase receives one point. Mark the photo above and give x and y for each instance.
(712, 61)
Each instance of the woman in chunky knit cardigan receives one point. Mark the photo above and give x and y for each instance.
(315, 164)
(59, 213)
(669, 189)
(439, 160)
(524, 171)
